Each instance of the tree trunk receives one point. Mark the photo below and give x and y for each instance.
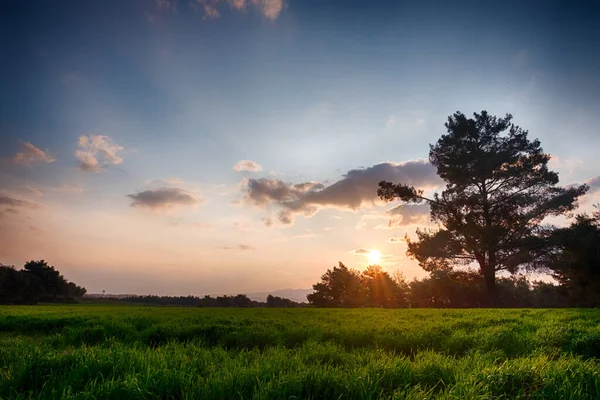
(490, 287)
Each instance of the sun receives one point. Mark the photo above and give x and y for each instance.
(374, 257)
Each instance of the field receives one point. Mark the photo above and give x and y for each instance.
(123, 352)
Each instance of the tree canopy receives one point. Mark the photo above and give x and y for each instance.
(37, 281)
(498, 191)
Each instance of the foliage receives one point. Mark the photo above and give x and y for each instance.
(441, 289)
(498, 190)
(343, 287)
(576, 263)
(37, 281)
(125, 352)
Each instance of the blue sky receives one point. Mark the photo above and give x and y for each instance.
(169, 96)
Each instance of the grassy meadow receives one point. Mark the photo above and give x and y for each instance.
(127, 352)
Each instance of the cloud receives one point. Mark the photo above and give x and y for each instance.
(12, 206)
(163, 198)
(9, 201)
(267, 221)
(31, 155)
(305, 236)
(391, 121)
(72, 189)
(356, 189)
(357, 252)
(166, 5)
(247, 165)
(96, 152)
(270, 9)
(238, 4)
(166, 182)
(408, 214)
(594, 184)
(241, 247)
(395, 240)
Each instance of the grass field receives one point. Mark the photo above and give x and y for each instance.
(122, 352)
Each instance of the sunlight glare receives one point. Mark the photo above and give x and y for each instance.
(374, 257)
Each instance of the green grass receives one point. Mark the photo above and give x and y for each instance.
(122, 352)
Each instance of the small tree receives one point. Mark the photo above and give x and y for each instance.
(381, 290)
(498, 191)
(339, 287)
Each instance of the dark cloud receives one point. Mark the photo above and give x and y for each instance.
(357, 188)
(241, 247)
(11, 206)
(165, 197)
(9, 201)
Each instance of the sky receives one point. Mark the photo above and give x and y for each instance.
(226, 146)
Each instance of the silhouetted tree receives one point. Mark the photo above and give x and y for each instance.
(380, 290)
(52, 281)
(36, 282)
(17, 288)
(339, 287)
(276, 301)
(576, 264)
(498, 191)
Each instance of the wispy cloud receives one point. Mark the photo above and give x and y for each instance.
(270, 9)
(267, 221)
(356, 189)
(71, 189)
(247, 165)
(9, 201)
(594, 184)
(166, 182)
(164, 198)
(358, 252)
(395, 240)
(31, 155)
(96, 152)
(12, 206)
(167, 5)
(241, 247)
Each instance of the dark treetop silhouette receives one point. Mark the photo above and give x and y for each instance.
(498, 191)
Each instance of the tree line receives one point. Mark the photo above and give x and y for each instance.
(491, 224)
(36, 282)
(240, 300)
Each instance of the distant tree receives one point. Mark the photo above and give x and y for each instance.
(381, 290)
(276, 301)
(448, 289)
(339, 287)
(498, 191)
(576, 261)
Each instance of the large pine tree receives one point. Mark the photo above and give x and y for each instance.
(498, 191)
